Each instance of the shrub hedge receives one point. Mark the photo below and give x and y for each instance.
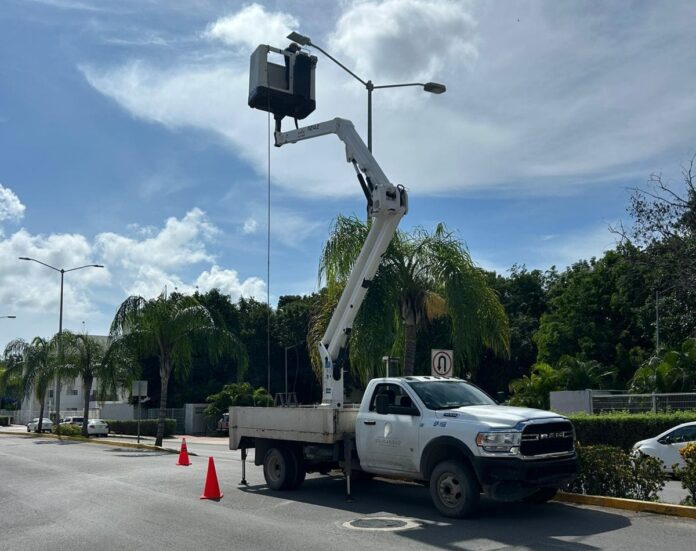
(68, 430)
(610, 471)
(625, 429)
(148, 427)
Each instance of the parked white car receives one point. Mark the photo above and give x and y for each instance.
(72, 421)
(666, 446)
(97, 427)
(46, 425)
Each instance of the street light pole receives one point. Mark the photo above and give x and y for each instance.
(60, 324)
(432, 87)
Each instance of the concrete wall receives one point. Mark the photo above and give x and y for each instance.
(118, 411)
(571, 401)
(195, 421)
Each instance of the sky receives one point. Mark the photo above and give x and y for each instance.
(126, 139)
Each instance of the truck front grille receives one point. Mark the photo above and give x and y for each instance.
(546, 438)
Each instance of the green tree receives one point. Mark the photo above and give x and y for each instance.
(170, 327)
(533, 390)
(237, 394)
(523, 296)
(597, 312)
(422, 277)
(674, 371)
(34, 364)
(86, 357)
(12, 390)
(664, 229)
(580, 375)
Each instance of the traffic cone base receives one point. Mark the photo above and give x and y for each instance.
(212, 488)
(183, 460)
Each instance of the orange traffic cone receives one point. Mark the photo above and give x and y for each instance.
(212, 489)
(183, 455)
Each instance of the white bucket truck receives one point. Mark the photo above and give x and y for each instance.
(444, 432)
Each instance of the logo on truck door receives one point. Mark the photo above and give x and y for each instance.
(386, 441)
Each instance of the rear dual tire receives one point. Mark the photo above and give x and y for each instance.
(283, 468)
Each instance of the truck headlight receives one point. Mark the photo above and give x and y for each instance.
(499, 442)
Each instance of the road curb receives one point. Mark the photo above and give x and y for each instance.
(98, 442)
(628, 504)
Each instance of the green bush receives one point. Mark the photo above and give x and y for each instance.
(68, 430)
(688, 473)
(237, 394)
(625, 429)
(148, 427)
(610, 471)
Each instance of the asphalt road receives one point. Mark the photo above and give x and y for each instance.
(62, 496)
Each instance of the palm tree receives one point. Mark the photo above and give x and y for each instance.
(34, 365)
(85, 358)
(422, 277)
(169, 328)
(533, 390)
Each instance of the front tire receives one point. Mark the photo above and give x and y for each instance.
(279, 469)
(454, 489)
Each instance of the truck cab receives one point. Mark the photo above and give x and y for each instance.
(452, 434)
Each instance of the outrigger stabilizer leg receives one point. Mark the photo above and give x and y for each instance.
(244, 482)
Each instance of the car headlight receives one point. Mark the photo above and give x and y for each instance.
(499, 441)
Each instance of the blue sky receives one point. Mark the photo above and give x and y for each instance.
(125, 138)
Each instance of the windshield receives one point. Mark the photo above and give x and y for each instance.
(450, 394)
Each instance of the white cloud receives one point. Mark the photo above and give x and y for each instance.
(404, 40)
(229, 283)
(540, 96)
(251, 26)
(180, 243)
(177, 256)
(250, 226)
(11, 208)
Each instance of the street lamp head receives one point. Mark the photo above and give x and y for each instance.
(434, 87)
(24, 258)
(10, 317)
(97, 265)
(301, 39)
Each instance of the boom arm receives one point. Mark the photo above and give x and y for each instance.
(386, 204)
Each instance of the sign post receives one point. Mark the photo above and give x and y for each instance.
(442, 364)
(139, 390)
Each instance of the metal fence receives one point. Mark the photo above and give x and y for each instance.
(636, 403)
(178, 414)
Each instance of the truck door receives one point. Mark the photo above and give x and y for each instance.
(389, 441)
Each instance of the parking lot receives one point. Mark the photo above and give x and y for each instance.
(67, 495)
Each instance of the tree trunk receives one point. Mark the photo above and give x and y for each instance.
(57, 402)
(409, 347)
(39, 427)
(86, 388)
(165, 371)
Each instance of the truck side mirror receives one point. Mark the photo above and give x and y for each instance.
(382, 404)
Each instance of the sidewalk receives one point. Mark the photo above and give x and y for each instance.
(170, 443)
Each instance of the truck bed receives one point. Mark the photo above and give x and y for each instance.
(318, 425)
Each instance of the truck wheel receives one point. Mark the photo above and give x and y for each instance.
(279, 469)
(454, 489)
(542, 495)
(298, 467)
